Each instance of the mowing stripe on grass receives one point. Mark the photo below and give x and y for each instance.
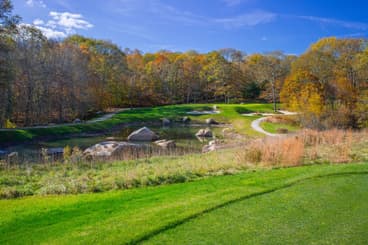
(173, 225)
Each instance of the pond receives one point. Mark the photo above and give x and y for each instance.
(183, 135)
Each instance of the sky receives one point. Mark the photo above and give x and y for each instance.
(204, 25)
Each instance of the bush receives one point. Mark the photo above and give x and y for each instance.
(9, 124)
(282, 131)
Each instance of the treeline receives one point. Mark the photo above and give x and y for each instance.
(46, 81)
(329, 84)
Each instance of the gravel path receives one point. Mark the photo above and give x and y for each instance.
(256, 124)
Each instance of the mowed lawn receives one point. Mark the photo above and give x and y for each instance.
(311, 204)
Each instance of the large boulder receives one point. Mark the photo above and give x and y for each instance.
(210, 121)
(204, 133)
(143, 134)
(166, 144)
(109, 149)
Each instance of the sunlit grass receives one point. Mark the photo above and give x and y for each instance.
(121, 217)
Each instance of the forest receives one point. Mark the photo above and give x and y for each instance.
(45, 81)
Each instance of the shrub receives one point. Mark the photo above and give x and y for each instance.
(9, 124)
(282, 131)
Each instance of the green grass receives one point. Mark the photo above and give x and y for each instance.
(283, 204)
(273, 127)
(230, 114)
(329, 210)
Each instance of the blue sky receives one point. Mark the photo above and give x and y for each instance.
(203, 25)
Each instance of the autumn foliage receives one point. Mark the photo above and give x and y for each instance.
(46, 81)
(328, 84)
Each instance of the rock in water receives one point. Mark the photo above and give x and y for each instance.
(143, 134)
(212, 146)
(186, 120)
(109, 149)
(204, 133)
(12, 157)
(166, 144)
(77, 121)
(210, 121)
(166, 122)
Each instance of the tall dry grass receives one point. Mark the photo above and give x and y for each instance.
(332, 145)
(309, 146)
(280, 152)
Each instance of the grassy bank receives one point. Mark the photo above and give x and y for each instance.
(335, 205)
(229, 114)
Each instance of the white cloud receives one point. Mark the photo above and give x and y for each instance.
(36, 3)
(51, 33)
(37, 22)
(47, 32)
(62, 24)
(68, 21)
(249, 19)
(168, 12)
(346, 24)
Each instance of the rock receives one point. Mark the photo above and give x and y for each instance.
(109, 149)
(143, 134)
(186, 120)
(77, 121)
(12, 157)
(166, 122)
(166, 144)
(212, 121)
(204, 133)
(208, 148)
(215, 107)
(212, 146)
